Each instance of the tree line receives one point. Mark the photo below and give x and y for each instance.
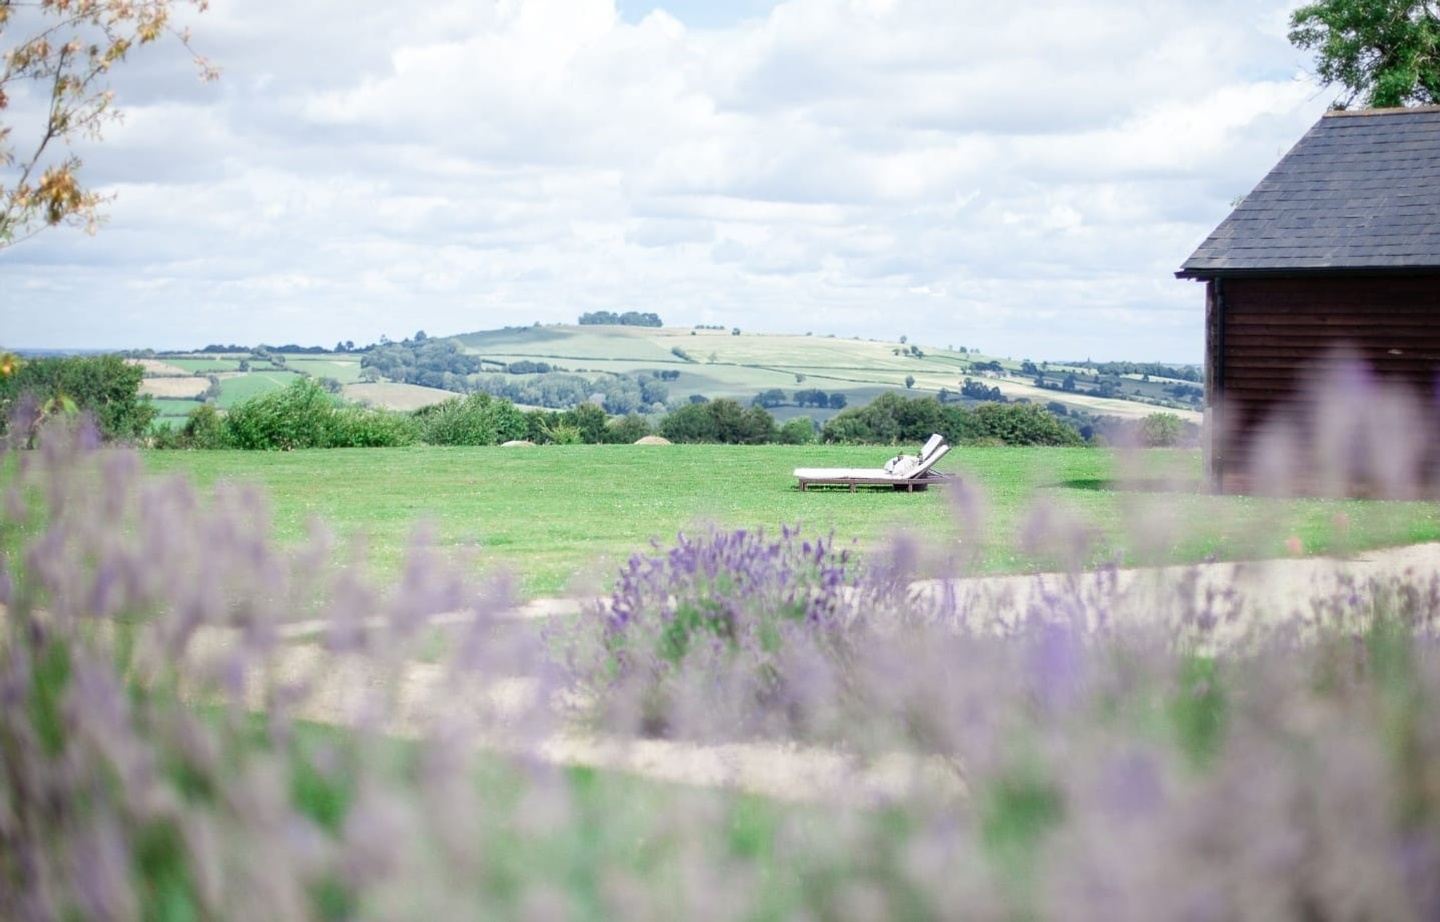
(306, 415)
(627, 319)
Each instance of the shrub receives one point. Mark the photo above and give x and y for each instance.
(204, 428)
(626, 430)
(723, 421)
(561, 434)
(1022, 424)
(363, 427)
(588, 419)
(478, 419)
(892, 419)
(798, 431)
(299, 416)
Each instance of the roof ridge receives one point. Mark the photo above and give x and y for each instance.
(1392, 110)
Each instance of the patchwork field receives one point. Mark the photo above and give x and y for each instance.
(563, 516)
(719, 364)
(184, 377)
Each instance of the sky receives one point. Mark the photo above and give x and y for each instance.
(1021, 178)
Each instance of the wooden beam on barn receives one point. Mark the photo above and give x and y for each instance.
(1213, 438)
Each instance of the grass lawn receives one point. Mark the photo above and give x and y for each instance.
(557, 513)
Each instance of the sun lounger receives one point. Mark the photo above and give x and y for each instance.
(918, 479)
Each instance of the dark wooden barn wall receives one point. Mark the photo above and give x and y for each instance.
(1275, 333)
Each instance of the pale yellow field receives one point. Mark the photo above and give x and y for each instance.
(391, 396)
(179, 388)
(154, 368)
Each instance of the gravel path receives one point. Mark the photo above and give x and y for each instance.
(513, 718)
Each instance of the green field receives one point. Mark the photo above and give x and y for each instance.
(345, 369)
(172, 410)
(562, 516)
(204, 365)
(252, 384)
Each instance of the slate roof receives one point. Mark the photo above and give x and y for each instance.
(1361, 190)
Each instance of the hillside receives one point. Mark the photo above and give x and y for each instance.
(679, 362)
(717, 363)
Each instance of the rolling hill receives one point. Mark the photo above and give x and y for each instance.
(718, 363)
(706, 362)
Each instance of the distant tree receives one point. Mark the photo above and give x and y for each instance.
(774, 397)
(799, 378)
(837, 401)
(1384, 53)
(909, 381)
(1029, 368)
(244, 365)
(904, 340)
(1161, 430)
(1068, 383)
(812, 397)
(419, 336)
(627, 319)
(699, 398)
(735, 331)
(331, 385)
(978, 390)
(652, 392)
(64, 64)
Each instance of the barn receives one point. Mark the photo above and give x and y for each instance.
(1337, 248)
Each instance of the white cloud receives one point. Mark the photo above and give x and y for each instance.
(1023, 177)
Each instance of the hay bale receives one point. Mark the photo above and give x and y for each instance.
(653, 440)
(518, 443)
